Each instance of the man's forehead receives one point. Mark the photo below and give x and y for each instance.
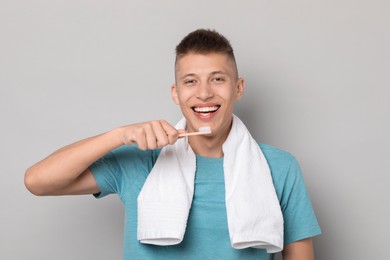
(194, 63)
(192, 56)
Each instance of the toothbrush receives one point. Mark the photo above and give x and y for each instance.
(202, 131)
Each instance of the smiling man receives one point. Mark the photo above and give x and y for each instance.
(211, 196)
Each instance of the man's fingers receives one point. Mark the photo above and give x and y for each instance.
(160, 134)
(150, 135)
(181, 131)
(141, 141)
(171, 132)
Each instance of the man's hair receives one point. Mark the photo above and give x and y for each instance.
(205, 41)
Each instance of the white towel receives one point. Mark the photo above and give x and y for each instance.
(253, 211)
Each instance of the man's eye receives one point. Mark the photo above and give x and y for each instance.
(189, 81)
(218, 79)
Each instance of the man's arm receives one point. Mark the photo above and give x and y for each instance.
(299, 250)
(65, 172)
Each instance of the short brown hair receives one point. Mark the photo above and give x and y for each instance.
(205, 41)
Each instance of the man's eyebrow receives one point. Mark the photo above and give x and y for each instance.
(188, 75)
(211, 73)
(218, 72)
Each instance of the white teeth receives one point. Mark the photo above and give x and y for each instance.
(205, 109)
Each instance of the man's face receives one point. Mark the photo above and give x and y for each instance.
(206, 89)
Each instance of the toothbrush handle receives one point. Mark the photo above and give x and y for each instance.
(193, 133)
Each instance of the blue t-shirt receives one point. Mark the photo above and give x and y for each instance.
(124, 171)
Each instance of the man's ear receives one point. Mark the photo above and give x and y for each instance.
(174, 94)
(240, 88)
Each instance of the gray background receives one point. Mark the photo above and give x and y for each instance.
(317, 85)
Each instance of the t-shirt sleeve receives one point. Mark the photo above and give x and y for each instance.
(106, 174)
(121, 169)
(300, 221)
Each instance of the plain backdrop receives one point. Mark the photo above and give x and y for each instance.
(317, 85)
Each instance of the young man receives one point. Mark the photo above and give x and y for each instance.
(121, 161)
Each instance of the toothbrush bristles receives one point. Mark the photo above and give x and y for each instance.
(205, 129)
(202, 131)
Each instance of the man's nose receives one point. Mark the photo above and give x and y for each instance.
(204, 91)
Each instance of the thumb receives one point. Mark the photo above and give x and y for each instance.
(181, 131)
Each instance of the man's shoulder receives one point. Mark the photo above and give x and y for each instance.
(281, 163)
(274, 153)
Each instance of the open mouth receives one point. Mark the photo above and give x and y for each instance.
(206, 110)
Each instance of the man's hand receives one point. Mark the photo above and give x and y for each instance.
(150, 135)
